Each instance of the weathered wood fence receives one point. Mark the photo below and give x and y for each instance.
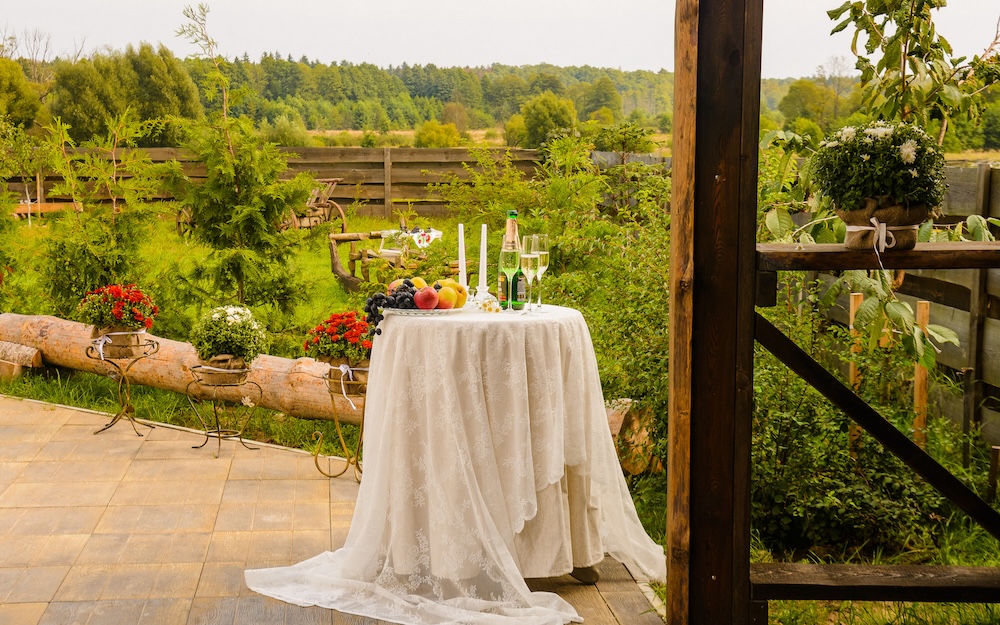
(381, 180)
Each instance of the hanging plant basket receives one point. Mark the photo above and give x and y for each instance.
(119, 343)
(221, 370)
(345, 378)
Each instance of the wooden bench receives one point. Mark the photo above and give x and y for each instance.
(855, 582)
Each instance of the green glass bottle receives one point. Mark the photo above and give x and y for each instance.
(509, 267)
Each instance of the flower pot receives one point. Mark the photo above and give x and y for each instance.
(355, 381)
(119, 343)
(882, 224)
(222, 370)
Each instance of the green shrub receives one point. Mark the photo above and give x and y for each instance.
(434, 134)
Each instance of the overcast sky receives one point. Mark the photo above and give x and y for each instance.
(625, 34)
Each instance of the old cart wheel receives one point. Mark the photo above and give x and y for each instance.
(337, 217)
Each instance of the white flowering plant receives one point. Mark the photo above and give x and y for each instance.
(897, 162)
(228, 330)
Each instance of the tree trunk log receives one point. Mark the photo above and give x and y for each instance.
(295, 387)
(17, 354)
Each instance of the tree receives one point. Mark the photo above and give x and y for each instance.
(835, 75)
(601, 94)
(456, 114)
(544, 114)
(809, 100)
(544, 81)
(515, 132)
(18, 102)
(434, 134)
(991, 126)
(505, 94)
(916, 78)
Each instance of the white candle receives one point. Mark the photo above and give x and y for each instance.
(461, 254)
(482, 261)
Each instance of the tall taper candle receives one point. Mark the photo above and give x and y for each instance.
(461, 255)
(482, 262)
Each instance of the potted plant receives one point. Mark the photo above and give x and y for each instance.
(343, 341)
(227, 340)
(884, 180)
(120, 314)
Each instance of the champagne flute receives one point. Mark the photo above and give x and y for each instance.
(509, 259)
(543, 264)
(529, 264)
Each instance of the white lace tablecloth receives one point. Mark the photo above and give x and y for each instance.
(488, 459)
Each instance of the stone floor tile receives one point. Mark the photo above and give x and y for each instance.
(8, 579)
(103, 549)
(20, 550)
(29, 432)
(273, 516)
(9, 518)
(190, 469)
(308, 543)
(130, 581)
(283, 468)
(166, 611)
(235, 517)
(68, 613)
(310, 491)
(10, 471)
(212, 611)
(61, 549)
(23, 613)
(81, 520)
(57, 451)
(270, 545)
(276, 491)
(37, 584)
(197, 518)
(40, 495)
(84, 582)
(221, 579)
(242, 491)
(117, 612)
(187, 547)
(246, 468)
(311, 516)
(103, 470)
(119, 520)
(308, 616)
(176, 580)
(19, 451)
(146, 548)
(229, 547)
(260, 610)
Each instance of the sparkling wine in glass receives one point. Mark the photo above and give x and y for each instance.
(529, 264)
(543, 263)
(509, 259)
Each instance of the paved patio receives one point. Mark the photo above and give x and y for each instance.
(118, 529)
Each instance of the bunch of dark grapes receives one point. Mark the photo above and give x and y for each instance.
(400, 297)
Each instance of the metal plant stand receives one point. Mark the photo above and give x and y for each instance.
(337, 386)
(118, 368)
(211, 379)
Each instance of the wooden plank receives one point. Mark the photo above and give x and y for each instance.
(834, 256)
(847, 582)
(891, 438)
(961, 195)
(387, 182)
(920, 380)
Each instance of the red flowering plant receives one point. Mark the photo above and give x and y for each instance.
(342, 336)
(117, 305)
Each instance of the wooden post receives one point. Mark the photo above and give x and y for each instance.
(716, 115)
(991, 492)
(853, 376)
(973, 397)
(387, 183)
(920, 384)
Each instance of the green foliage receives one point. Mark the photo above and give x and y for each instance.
(434, 134)
(879, 159)
(809, 492)
(809, 130)
(112, 188)
(809, 100)
(18, 102)
(915, 78)
(285, 131)
(229, 330)
(239, 207)
(117, 305)
(515, 132)
(601, 95)
(545, 114)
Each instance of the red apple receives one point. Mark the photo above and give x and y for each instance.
(426, 298)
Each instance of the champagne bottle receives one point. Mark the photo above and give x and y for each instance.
(510, 259)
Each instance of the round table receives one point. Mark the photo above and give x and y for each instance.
(488, 459)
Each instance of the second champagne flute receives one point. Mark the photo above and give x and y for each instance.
(543, 264)
(529, 264)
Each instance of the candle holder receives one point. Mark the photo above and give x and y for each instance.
(118, 361)
(211, 379)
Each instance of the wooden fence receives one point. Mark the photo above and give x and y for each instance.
(380, 180)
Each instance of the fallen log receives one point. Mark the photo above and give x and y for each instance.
(17, 354)
(295, 387)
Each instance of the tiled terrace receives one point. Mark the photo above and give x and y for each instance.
(117, 529)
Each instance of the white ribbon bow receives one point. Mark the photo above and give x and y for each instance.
(100, 342)
(884, 237)
(346, 370)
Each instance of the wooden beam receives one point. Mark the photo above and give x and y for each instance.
(875, 424)
(978, 297)
(387, 183)
(834, 256)
(713, 209)
(857, 582)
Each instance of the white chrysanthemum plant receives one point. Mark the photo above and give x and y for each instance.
(884, 180)
(228, 337)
